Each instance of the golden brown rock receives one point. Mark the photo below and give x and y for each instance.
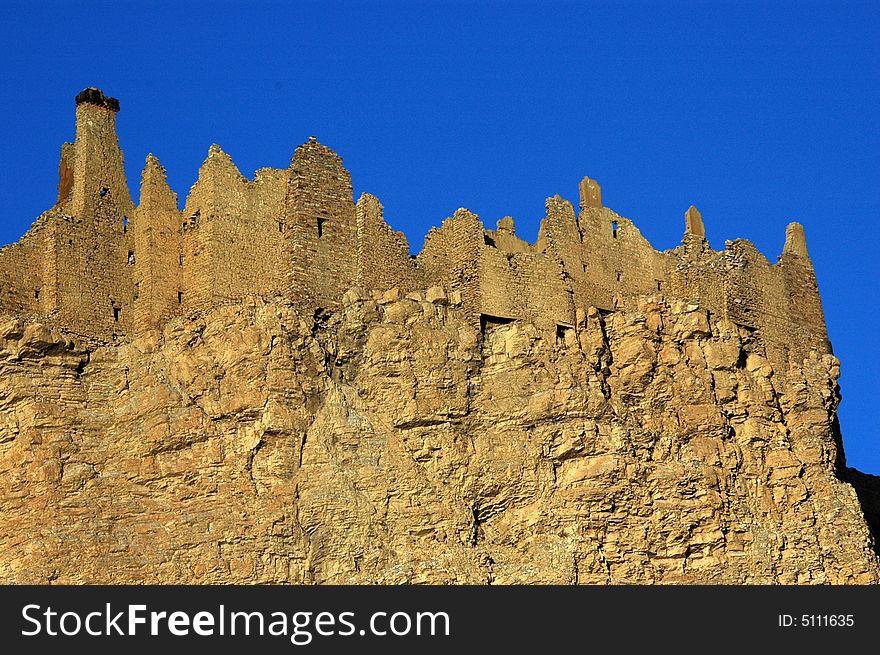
(397, 443)
(268, 387)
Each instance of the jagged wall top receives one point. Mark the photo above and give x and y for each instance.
(100, 267)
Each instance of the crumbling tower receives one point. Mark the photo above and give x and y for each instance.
(211, 223)
(319, 227)
(91, 282)
(801, 297)
(156, 256)
(98, 173)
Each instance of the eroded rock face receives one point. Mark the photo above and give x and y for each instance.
(396, 442)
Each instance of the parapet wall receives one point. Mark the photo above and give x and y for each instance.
(232, 234)
(383, 259)
(451, 258)
(101, 268)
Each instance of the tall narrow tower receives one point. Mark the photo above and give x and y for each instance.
(98, 173)
(321, 231)
(93, 280)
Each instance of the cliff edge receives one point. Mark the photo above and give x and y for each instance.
(265, 386)
(394, 442)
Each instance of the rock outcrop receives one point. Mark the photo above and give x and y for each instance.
(266, 386)
(394, 441)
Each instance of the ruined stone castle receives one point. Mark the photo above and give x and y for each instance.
(101, 268)
(266, 387)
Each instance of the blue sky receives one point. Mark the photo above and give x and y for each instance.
(759, 113)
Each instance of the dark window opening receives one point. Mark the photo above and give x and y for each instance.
(180, 259)
(116, 311)
(659, 285)
(70, 242)
(103, 191)
(321, 222)
(37, 294)
(585, 268)
(280, 226)
(489, 322)
(124, 224)
(130, 257)
(489, 241)
(619, 275)
(614, 229)
(562, 331)
(180, 297)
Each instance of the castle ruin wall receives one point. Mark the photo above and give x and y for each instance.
(100, 267)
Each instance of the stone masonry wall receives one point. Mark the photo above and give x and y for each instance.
(298, 233)
(23, 289)
(319, 228)
(157, 250)
(616, 260)
(451, 258)
(383, 258)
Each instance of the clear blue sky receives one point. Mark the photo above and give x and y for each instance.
(759, 113)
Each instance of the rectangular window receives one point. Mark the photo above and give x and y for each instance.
(321, 222)
(562, 333)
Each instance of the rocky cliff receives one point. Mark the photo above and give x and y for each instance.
(396, 441)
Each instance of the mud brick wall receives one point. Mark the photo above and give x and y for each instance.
(157, 249)
(320, 229)
(383, 259)
(451, 258)
(98, 267)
